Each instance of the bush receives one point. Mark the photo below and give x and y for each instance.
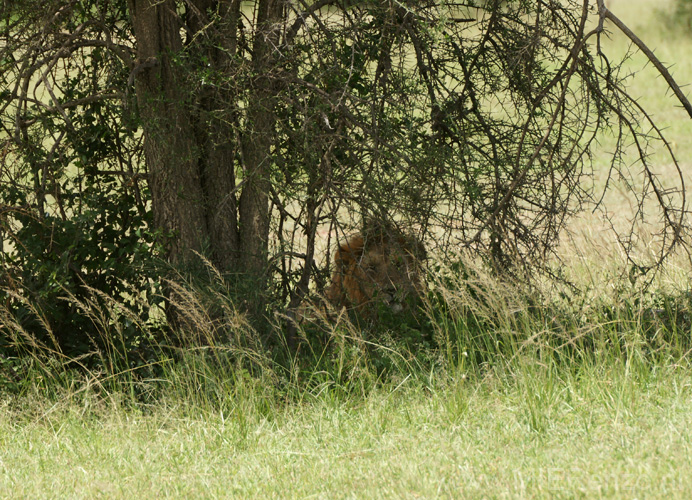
(62, 282)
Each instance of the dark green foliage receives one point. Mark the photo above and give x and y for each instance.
(78, 263)
(103, 248)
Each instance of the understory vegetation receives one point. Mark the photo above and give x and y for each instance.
(491, 394)
(502, 398)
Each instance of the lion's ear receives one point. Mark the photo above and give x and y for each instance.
(413, 246)
(349, 251)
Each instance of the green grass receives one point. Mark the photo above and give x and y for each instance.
(534, 431)
(517, 401)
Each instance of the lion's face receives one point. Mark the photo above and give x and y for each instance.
(374, 270)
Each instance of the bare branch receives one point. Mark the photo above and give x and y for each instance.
(607, 14)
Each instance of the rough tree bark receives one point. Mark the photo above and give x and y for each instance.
(171, 151)
(216, 137)
(200, 202)
(257, 143)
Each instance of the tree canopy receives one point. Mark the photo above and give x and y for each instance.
(255, 135)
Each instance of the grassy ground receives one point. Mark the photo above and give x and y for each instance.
(612, 430)
(592, 251)
(613, 420)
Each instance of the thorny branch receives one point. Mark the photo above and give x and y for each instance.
(604, 13)
(471, 125)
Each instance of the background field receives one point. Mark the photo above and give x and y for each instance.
(592, 250)
(612, 421)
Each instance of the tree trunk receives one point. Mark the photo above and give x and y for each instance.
(216, 134)
(170, 148)
(257, 144)
(192, 154)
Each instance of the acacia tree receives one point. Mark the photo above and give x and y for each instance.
(249, 129)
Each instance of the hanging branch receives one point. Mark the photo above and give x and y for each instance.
(604, 13)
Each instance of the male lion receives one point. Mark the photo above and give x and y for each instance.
(377, 267)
